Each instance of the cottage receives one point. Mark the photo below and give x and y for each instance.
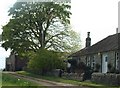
(102, 56)
(15, 63)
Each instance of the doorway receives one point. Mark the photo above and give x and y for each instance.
(104, 63)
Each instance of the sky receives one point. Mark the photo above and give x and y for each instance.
(99, 17)
(4, 7)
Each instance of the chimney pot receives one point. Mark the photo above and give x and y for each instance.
(88, 34)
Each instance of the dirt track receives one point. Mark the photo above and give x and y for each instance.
(44, 82)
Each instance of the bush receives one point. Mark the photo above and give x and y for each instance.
(87, 74)
(109, 67)
(45, 61)
(97, 67)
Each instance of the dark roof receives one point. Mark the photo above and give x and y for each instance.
(109, 43)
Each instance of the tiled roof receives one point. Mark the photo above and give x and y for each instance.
(107, 44)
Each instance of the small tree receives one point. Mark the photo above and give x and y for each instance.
(44, 61)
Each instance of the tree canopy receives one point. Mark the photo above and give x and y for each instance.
(39, 25)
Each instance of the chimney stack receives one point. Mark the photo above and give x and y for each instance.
(116, 30)
(88, 40)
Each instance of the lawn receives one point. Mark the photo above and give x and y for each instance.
(63, 80)
(9, 80)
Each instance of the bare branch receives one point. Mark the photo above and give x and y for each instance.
(51, 38)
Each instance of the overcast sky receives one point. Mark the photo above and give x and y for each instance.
(100, 17)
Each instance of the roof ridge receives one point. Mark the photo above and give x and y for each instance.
(108, 43)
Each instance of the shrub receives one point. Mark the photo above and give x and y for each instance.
(44, 61)
(97, 67)
(109, 67)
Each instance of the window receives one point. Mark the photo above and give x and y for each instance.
(106, 59)
(88, 61)
(117, 58)
(93, 62)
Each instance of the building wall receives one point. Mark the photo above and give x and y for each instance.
(83, 59)
(94, 59)
(119, 50)
(97, 60)
(7, 64)
(111, 58)
(10, 63)
(14, 63)
(20, 63)
(119, 60)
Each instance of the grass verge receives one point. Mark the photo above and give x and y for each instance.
(64, 80)
(9, 80)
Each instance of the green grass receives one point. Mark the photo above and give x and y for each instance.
(9, 80)
(63, 80)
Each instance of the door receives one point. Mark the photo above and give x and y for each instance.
(104, 63)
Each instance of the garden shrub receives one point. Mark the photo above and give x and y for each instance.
(45, 61)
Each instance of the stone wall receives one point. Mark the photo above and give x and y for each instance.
(108, 79)
(73, 76)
